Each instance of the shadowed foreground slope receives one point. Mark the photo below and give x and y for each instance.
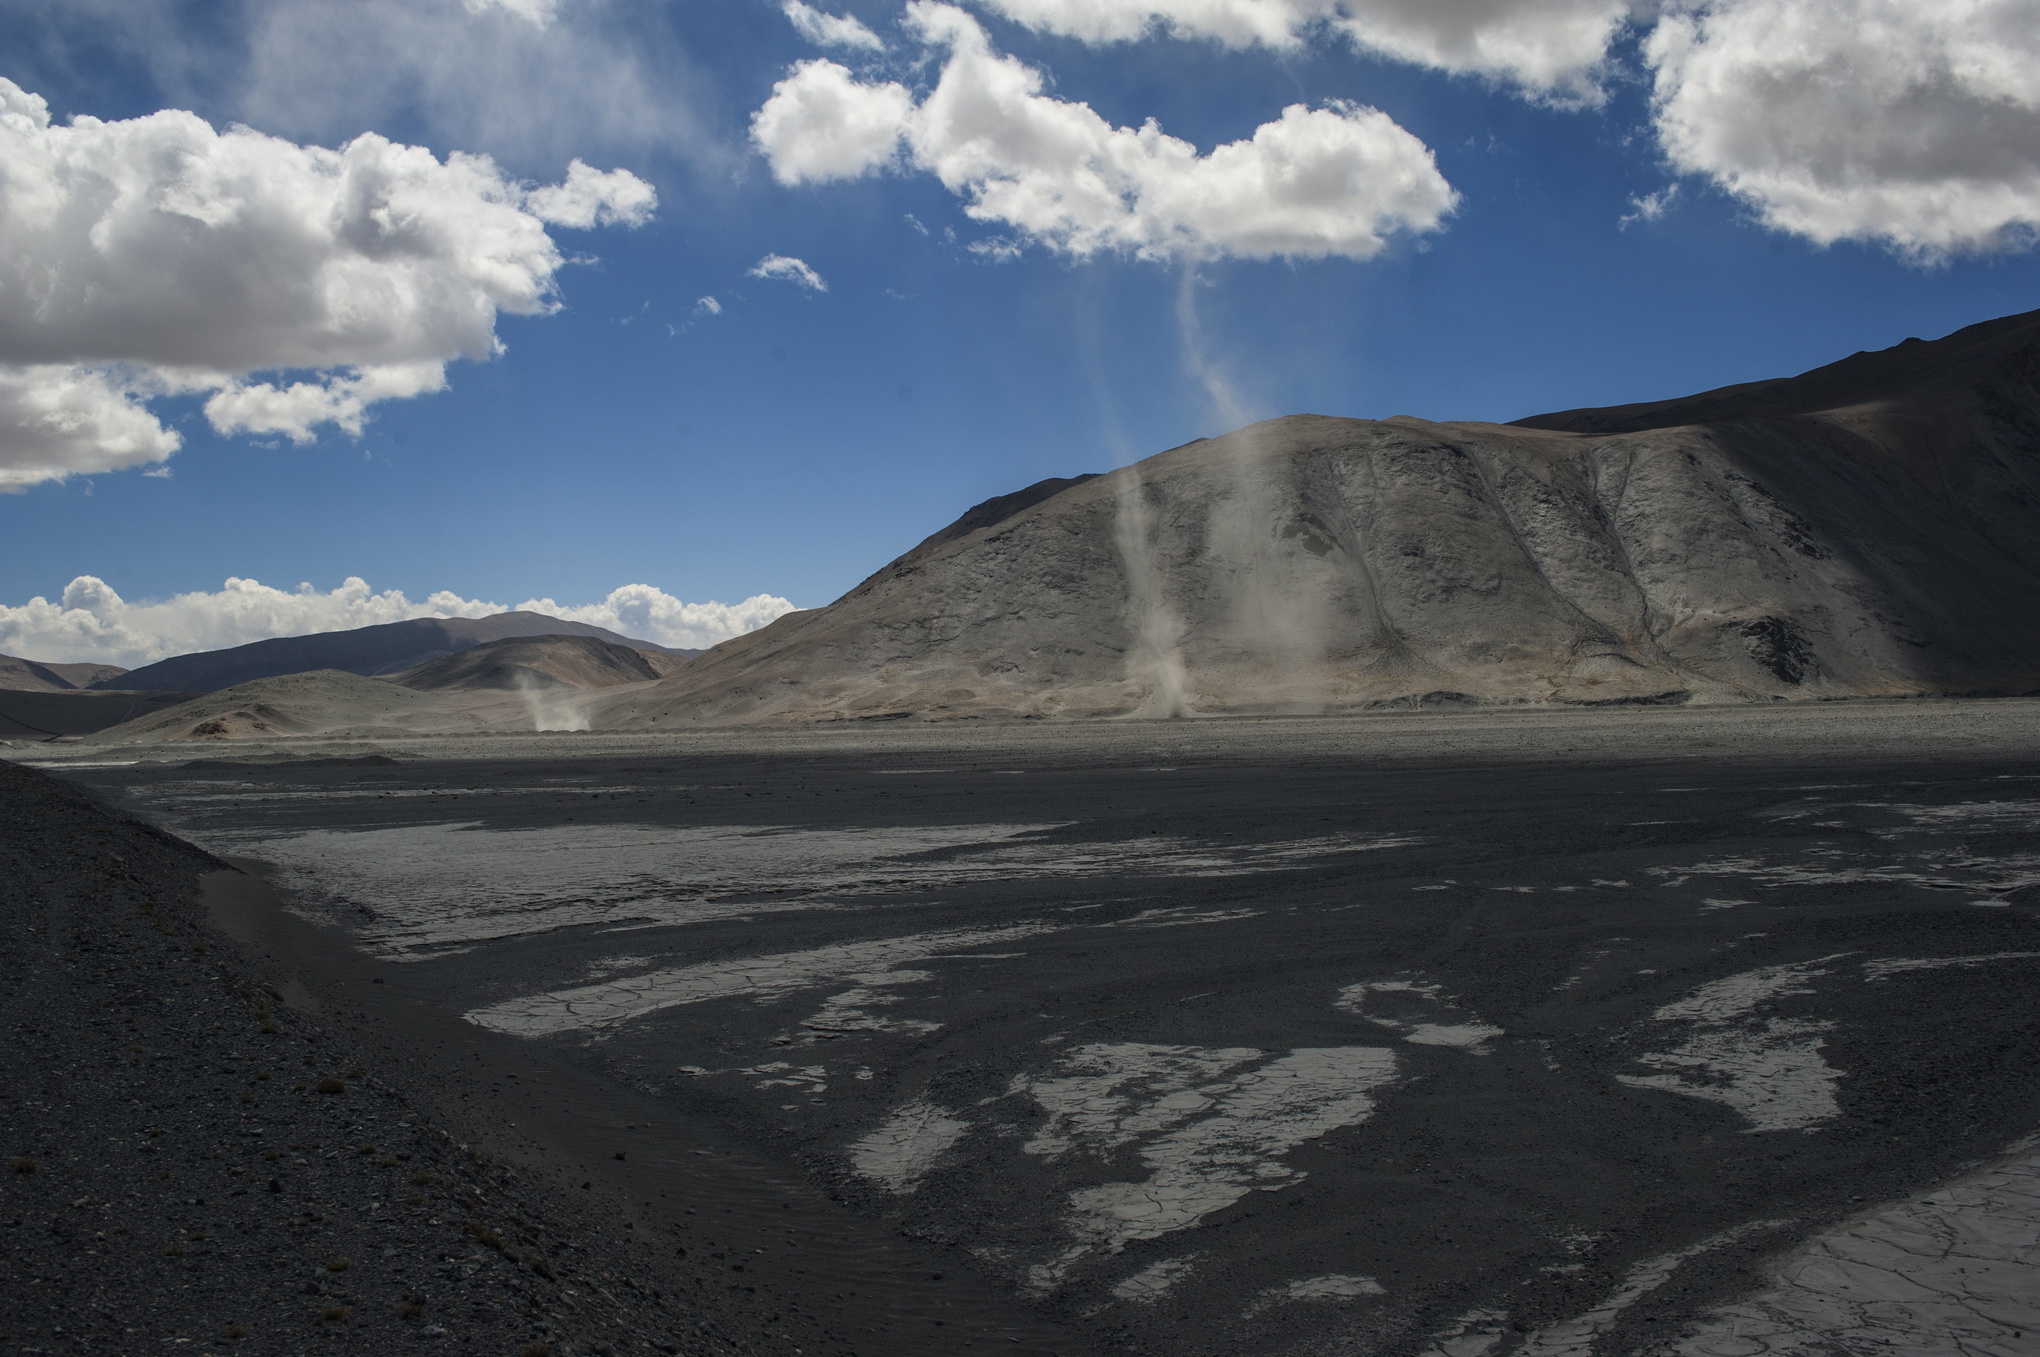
(1869, 528)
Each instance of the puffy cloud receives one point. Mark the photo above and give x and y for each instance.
(158, 255)
(707, 306)
(298, 409)
(649, 614)
(789, 270)
(1913, 124)
(1554, 48)
(91, 623)
(830, 30)
(56, 421)
(1330, 181)
(590, 197)
(822, 123)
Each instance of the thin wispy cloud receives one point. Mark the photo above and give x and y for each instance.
(788, 270)
(830, 30)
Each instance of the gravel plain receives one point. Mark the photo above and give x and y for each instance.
(1700, 1031)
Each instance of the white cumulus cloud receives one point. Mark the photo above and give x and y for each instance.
(1554, 48)
(823, 123)
(92, 623)
(158, 255)
(1910, 123)
(649, 614)
(57, 420)
(1336, 180)
(590, 197)
(790, 270)
(830, 30)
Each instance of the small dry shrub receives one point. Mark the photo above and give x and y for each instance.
(330, 1085)
(174, 1251)
(23, 1164)
(247, 1097)
(337, 1265)
(535, 1350)
(483, 1235)
(410, 1309)
(335, 1313)
(239, 1330)
(422, 1179)
(388, 1161)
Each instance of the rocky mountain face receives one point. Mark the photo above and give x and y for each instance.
(1871, 528)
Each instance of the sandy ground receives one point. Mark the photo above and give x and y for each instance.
(1697, 1030)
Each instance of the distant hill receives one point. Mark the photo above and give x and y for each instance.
(30, 714)
(37, 676)
(525, 661)
(387, 649)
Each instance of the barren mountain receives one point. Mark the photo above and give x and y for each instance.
(535, 661)
(36, 676)
(1868, 528)
(386, 649)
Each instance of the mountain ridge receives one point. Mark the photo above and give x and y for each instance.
(1866, 528)
(386, 648)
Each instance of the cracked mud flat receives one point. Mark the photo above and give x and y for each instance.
(1270, 1052)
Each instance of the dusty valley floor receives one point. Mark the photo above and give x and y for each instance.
(1706, 1031)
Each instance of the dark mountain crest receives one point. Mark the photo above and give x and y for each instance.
(388, 648)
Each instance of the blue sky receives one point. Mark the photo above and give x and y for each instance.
(797, 440)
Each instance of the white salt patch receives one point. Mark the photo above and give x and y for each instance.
(1575, 1337)
(1229, 1140)
(603, 967)
(1423, 1013)
(1442, 1034)
(900, 1153)
(1171, 918)
(810, 1079)
(1941, 869)
(1949, 1273)
(437, 887)
(758, 977)
(1116, 1093)
(1332, 1287)
(1473, 1334)
(1878, 970)
(850, 1011)
(1147, 1286)
(1770, 1070)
